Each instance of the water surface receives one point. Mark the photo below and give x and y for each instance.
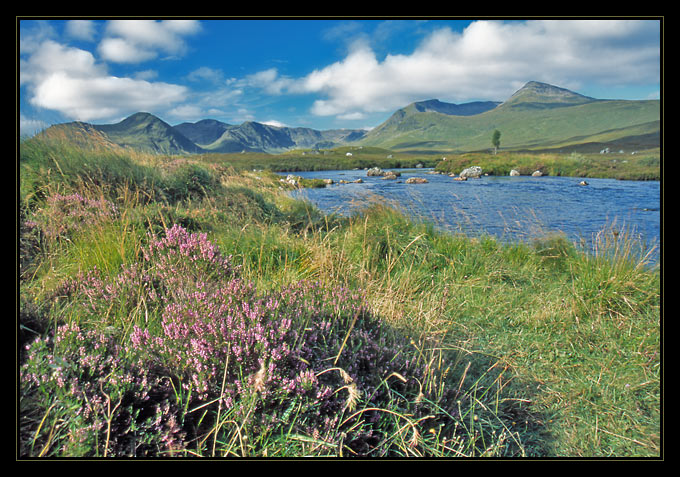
(509, 208)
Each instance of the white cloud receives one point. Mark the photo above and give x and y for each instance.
(134, 41)
(81, 29)
(352, 116)
(268, 80)
(205, 73)
(275, 123)
(51, 56)
(120, 50)
(87, 99)
(69, 80)
(488, 60)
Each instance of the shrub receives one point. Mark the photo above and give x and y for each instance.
(301, 358)
(64, 214)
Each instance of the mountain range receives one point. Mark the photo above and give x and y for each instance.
(538, 116)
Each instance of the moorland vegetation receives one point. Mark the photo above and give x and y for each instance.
(189, 307)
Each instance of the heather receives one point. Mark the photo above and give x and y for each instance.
(174, 307)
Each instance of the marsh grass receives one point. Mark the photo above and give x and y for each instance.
(645, 165)
(388, 337)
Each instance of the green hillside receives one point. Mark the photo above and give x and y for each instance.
(145, 132)
(538, 116)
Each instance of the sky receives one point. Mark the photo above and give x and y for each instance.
(320, 73)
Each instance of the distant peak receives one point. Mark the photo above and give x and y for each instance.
(535, 91)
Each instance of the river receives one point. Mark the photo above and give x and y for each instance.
(509, 208)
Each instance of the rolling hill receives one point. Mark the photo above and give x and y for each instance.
(146, 132)
(537, 117)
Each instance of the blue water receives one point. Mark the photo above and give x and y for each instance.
(509, 208)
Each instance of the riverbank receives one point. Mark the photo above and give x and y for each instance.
(632, 165)
(622, 165)
(295, 333)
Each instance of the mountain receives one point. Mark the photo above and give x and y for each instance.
(205, 131)
(253, 136)
(146, 132)
(538, 116)
(535, 95)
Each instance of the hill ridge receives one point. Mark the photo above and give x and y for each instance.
(537, 115)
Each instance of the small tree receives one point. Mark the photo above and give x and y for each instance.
(496, 140)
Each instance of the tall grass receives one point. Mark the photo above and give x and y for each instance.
(171, 308)
(645, 165)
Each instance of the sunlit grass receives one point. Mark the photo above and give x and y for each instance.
(477, 347)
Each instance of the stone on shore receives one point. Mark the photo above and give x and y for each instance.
(474, 172)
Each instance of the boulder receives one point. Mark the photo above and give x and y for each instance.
(536, 174)
(474, 172)
(416, 180)
(514, 172)
(375, 171)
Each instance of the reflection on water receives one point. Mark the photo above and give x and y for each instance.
(510, 208)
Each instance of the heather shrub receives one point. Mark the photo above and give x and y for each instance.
(114, 407)
(305, 347)
(306, 358)
(63, 215)
(171, 266)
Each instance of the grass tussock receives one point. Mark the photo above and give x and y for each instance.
(174, 308)
(643, 165)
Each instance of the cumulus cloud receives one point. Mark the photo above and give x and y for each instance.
(71, 81)
(205, 73)
(81, 29)
(102, 97)
(134, 41)
(487, 60)
(269, 80)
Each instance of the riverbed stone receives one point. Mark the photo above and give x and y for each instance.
(474, 172)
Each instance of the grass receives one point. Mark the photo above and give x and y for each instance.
(645, 165)
(365, 336)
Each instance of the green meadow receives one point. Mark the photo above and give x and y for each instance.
(188, 307)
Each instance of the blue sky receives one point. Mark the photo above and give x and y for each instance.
(319, 73)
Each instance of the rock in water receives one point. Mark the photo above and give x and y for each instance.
(474, 172)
